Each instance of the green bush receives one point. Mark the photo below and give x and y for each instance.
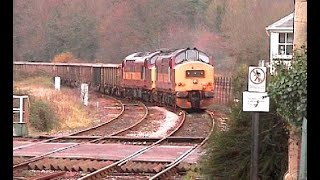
(42, 116)
(289, 89)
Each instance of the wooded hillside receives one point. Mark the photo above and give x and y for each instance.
(231, 31)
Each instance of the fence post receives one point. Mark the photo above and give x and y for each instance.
(57, 83)
(84, 94)
(229, 90)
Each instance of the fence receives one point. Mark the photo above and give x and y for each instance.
(223, 90)
(20, 115)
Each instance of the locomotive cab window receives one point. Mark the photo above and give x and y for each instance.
(181, 57)
(153, 59)
(203, 57)
(192, 55)
(195, 73)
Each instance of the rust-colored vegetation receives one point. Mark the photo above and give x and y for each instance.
(65, 105)
(63, 57)
(106, 31)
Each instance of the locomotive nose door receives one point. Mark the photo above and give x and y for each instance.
(195, 99)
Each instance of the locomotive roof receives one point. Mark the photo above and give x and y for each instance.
(175, 52)
(152, 54)
(137, 56)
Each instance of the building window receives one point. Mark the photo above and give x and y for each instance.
(285, 44)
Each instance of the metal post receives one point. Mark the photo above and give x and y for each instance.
(255, 146)
(261, 63)
(26, 110)
(97, 106)
(21, 109)
(303, 155)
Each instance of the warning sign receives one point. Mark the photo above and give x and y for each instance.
(255, 102)
(257, 79)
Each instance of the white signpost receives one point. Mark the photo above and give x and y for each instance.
(256, 100)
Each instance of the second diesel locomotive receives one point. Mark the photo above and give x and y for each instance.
(180, 77)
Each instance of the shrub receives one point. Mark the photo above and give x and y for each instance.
(63, 57)
(289, 89)
(42, 116)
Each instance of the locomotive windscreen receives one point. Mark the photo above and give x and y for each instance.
(195, 73)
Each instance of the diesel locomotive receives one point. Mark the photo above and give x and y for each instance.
(178, 77)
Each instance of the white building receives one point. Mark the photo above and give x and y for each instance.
(281, 40)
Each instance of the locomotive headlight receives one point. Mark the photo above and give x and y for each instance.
(195, 81)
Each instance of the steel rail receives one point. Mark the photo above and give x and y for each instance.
(102, 124)
(185, 155)
(23, 164)
(133, 155)
(49, 176)
(135, 124)
(72, 134)
(172, 138)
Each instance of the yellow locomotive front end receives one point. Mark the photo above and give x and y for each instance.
(194, 85)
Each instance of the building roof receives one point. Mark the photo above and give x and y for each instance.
(285, 23)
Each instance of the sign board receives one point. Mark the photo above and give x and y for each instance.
(256, 101)
(257, 79)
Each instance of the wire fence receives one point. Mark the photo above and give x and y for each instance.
(223, 90)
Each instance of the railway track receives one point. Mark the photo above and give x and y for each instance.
(183, 134)
(161, 170)
(57, 138)
(23, 162)
(172, 140)
(46, 174)
(171, 168)
(130, 117)
(29, 160)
